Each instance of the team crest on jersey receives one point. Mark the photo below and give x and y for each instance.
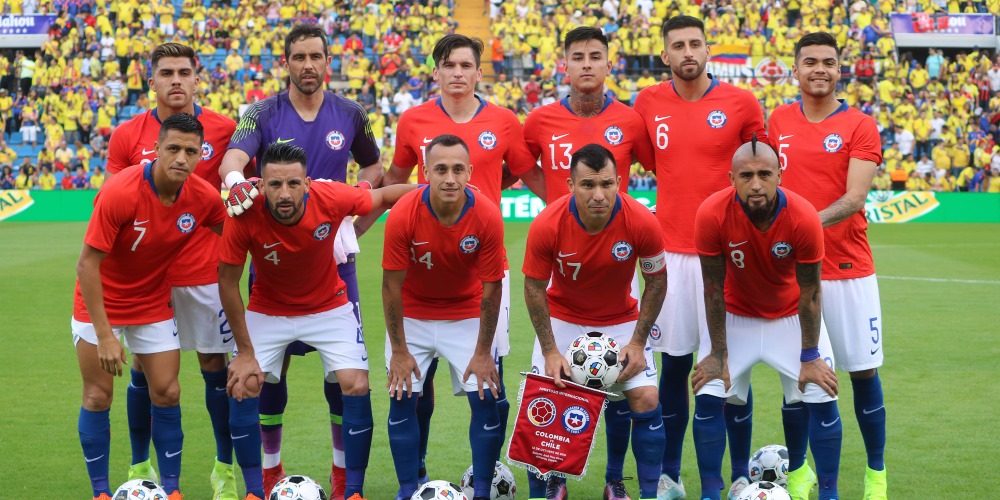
(833, 143)
(322, 231)
(716, 119)
(654, 332)
(488, 140)
(613, 135)
(207, 151)
(621, 251)
(781, 249)
(575, 419)
(469, 244)
(185, 223)
(335, 140)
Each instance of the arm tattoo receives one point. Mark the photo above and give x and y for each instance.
(713, 272)
(538, 310)
(838, 211)
(393, 324)
(810, 302)
(489, 312)
(652, 301)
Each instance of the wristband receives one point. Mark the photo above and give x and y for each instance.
(809, 355)
(233, 178)
(364, 185)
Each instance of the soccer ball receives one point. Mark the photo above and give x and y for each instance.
(297, 488)
(593, 360)
(770, 463)
(439, 490)
(140, 489)
(764, 490)
(503, 483)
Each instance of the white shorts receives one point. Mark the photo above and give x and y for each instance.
(201, 323)
(454, 340)
(565, 333)
(852, 313)
(335, 334)
(501, 341)
(681, 324)
(140, 339)
(775, 342)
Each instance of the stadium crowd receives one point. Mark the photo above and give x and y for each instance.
(59, 105)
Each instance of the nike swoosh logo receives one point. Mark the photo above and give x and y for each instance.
(734, 245)
(362, 431)
(875, 350)
(139, 222)
(824, 424)
(89, 460)
(657, 427)
(490, 427)
(220, 389)
(239, 437)
(283, 141)
(660, 118)
(172, 455)
(557, 137)
(364, 358)
(226, 340)
(397, 422)
(266, 246)
(744, 419)
(791, 408)
(427, 141)
(151, 151)
(697, 417)
(626, 412)
(566, 254)
(783, 137)
(672, 415)
(869, 412)
(418, 243)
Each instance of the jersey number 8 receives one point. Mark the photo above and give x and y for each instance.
(737, 256)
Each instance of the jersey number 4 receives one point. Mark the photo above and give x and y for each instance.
(273, 257)
(425, 258)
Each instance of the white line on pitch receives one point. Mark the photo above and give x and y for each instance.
(940, 280)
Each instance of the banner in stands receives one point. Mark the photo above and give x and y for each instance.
(25, 31)
(522, 206)
(921, 29)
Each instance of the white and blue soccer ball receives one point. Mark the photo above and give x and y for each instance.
(140, 489)
(594, 360)
(770, 463)
(764, 490)
(297, 488)
(439, 490)
(503, 487)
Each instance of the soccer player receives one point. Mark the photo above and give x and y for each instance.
(297, 294)
(494, 136)
(761, 250)
(201, 326)
(443, 263)
(145, 215)
(331, 129)
(586, 116)
(578, 266)
(829, 152)
(695, 123)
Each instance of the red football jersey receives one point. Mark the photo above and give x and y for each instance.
(553, 133)
(296, 270)
(445, 266)
(132, 144)
(815, 158)
(493, 135)
(591, 273)
(142, 237)
(694, 143)
(760, 266)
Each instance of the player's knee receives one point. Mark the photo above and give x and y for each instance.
(97, 398)
(643, 399)
(354, 386)
(863, 374)
(167, 395)
(212, 362)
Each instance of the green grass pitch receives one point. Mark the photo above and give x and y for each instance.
(939, 287)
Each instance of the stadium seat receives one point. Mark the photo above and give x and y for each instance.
(14, 139)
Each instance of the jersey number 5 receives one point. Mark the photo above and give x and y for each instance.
(783, 156)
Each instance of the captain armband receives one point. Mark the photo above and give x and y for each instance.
(653, 265)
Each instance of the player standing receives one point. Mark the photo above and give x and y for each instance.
(695, 123)
(331, 129)
(201, 325)
(761, 250)
(495, 138)
(829, 152)
(586, 116)
(443, 262)
(298, 294)
(145, 214)
(586, 244)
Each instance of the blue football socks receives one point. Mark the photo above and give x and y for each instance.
(217, 403)
(825, 436)
(404, 437)
(357, 432)
(244, 425)
(648, 441)
(795, 420)
(618, 429)
(486, 438)
(674, 372)
(139, 408)
(168, 437)
(709, 430)
(869, 408)
(94, 428)
(739, 427)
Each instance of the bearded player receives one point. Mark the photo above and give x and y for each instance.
(829, 153)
